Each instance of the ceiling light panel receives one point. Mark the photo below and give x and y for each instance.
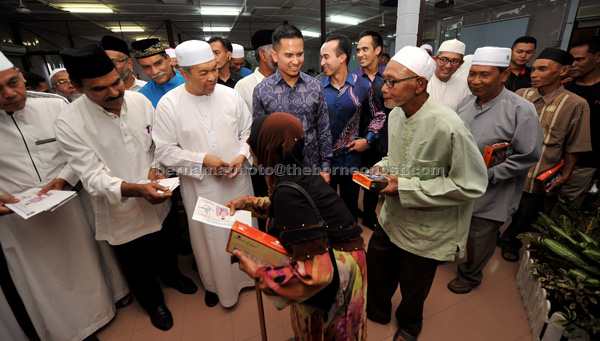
(342, 19)
(213, 10)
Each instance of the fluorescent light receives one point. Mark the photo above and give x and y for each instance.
(117, 29)
(83, 8)
(340, 19)
(311, 34)
(216, 29)
(211, 10)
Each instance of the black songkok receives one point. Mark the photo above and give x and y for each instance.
(262, 38)
(114, 44)
(561, 57)
(87, 61)
(146, 48)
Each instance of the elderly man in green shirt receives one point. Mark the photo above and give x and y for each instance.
(434, 171)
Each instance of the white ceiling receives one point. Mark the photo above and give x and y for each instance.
(187, 21)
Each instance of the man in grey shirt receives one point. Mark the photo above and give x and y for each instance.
(495, 115)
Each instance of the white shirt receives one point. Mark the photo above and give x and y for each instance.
(137, 84)
(104, 150)
(245, 86)
(449, 93)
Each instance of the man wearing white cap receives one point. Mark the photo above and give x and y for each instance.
(444, 88)
(53, 258)
(434, 172)
(238, 60)
(61, 84)
(427, 48)
(201, 128)
(171, 53)
(495, 114)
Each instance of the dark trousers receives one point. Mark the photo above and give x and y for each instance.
(483, 235)
(348, 191)
(389, 265)
(370, 199)
(142, 260)
(527, 213)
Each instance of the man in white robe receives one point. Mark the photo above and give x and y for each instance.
(445, 88)
(59, 270)
(202, 126)
(106, 138)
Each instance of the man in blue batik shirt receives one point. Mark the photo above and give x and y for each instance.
(291, 91)
(156, 64)
(350, 99)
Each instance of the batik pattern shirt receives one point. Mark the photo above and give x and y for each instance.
(305, 101)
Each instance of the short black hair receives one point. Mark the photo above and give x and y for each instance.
(33, 80)
(224, 41)
(344, 45)
(593, 44)
(386, 55)
(525, 40)
(377, 39)
(285, 32)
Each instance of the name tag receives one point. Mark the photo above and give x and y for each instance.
(37, 143)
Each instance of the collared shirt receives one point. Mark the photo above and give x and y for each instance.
(591, 94)
(506, 118)
(154, 91)
(306, 101)
(245, 72)
(37, 94)
(189, 127)
(31, 157)
(380, 145)
(234, 77)
(440, 172)
(519, 81)
(137, 84)
(106, 150)
(245, 87)
(565, 119)
(449, 93)
(347, 105)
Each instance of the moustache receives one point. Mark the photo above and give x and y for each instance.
(158, 75)
(121, 94)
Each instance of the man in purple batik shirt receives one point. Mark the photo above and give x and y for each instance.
(291, 91)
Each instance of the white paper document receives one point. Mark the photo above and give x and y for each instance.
(209, 212)
(170, 183)
(31, 204)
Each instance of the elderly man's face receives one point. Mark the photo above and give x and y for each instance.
(106, 91)
(399, 93)
(61, 84)
(486, 82)
(12, 90)
(157, 68)
(446, 64)
(547, 72)
(202, 78)
(121, 61)
(585, 61)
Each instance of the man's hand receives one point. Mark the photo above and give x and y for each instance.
(57, 184)
(557, 184)
(6, 199)
(150, 190)
(392, 188)
(236, 166)
(155, 174)
(359, 145)
(214, 162)
(326, 176)
(376, 170)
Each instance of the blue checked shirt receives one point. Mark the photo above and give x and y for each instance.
(306, 101)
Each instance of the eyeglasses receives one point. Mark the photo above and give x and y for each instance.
(390, 82)
(63, 82)
(119, 61)
(445, 61)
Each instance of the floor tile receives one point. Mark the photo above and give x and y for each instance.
(122, 323)
(155, 334)
(124, 337)
(376, 331)
(433, 332)
(213, 324)
(460, 322)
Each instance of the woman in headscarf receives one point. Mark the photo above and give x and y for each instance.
(325, 281)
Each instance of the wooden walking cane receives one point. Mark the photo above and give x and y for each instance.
(261, 313)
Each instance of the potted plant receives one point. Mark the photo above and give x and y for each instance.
(566, 258)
